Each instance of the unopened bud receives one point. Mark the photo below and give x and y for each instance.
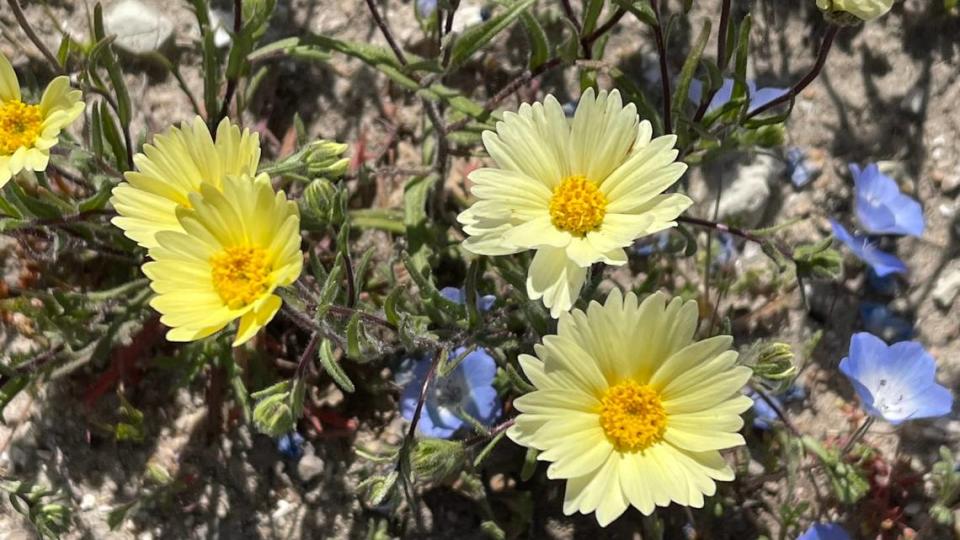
(436, 460)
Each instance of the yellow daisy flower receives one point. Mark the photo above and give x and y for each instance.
(235, 248)
(29, 130)
(176, 165)
(630, 409)
(577, 191)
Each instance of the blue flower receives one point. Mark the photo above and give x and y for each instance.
(879, 320)
(825, 531)
(453, 294)
(895, 382)
(758, 97)
(290, 445)
(881, 262)
(425, 8)
(800, 171)
(652, 244)
(727, 254)
(468, 388)
(764, 416)
(881, 208)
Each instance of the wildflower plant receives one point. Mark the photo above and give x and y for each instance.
(596, 356)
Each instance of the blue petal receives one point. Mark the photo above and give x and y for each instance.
(485, 302)
(453, 294)
(425, 8)
(881, 208)
(479, 368)
(722, 97)
(933, 402)
(882, 263)
(825, 531)
(437, 422)
(764, 415)
(910, 220)
(765, 95)
(484, 404)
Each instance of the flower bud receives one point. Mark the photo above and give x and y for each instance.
(278, 408)
(323, 159)
(436, 460)
(775, 362)
(319, 200)
(839, 11)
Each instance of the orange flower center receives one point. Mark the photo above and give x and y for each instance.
(577, 206)
(632, 416)
(20, 125)
(240, 274)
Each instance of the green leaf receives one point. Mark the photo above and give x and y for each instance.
(328, 293)
(333, 368)
(379, 58)
(591, 14)
(680, 97)
(378, 218)
(34, 206)
(529, 464)
(743, 52)
(539, 43)
(641, 9)
(390, 306)
(353, 337)
(475, 38)
(416, 193)
(211, 73)
(96, 201)
(112, 134)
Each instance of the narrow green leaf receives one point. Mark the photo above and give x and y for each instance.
(333, 368)
(390, 305)
(680, 97)
(537, 36)
(740, 67)
(591, 15)
(211, 74)
(96, 201)
(353, 337)
(96, 132)
(641, 9)
(419, 234)
(529, 464)
(112, 134)
(377, 218)
(475, 38)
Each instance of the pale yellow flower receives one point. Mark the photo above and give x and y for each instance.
(235, 247)
(862, 9)
(576, 191)
(176, 165)
(630, 410)
(29, 130)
